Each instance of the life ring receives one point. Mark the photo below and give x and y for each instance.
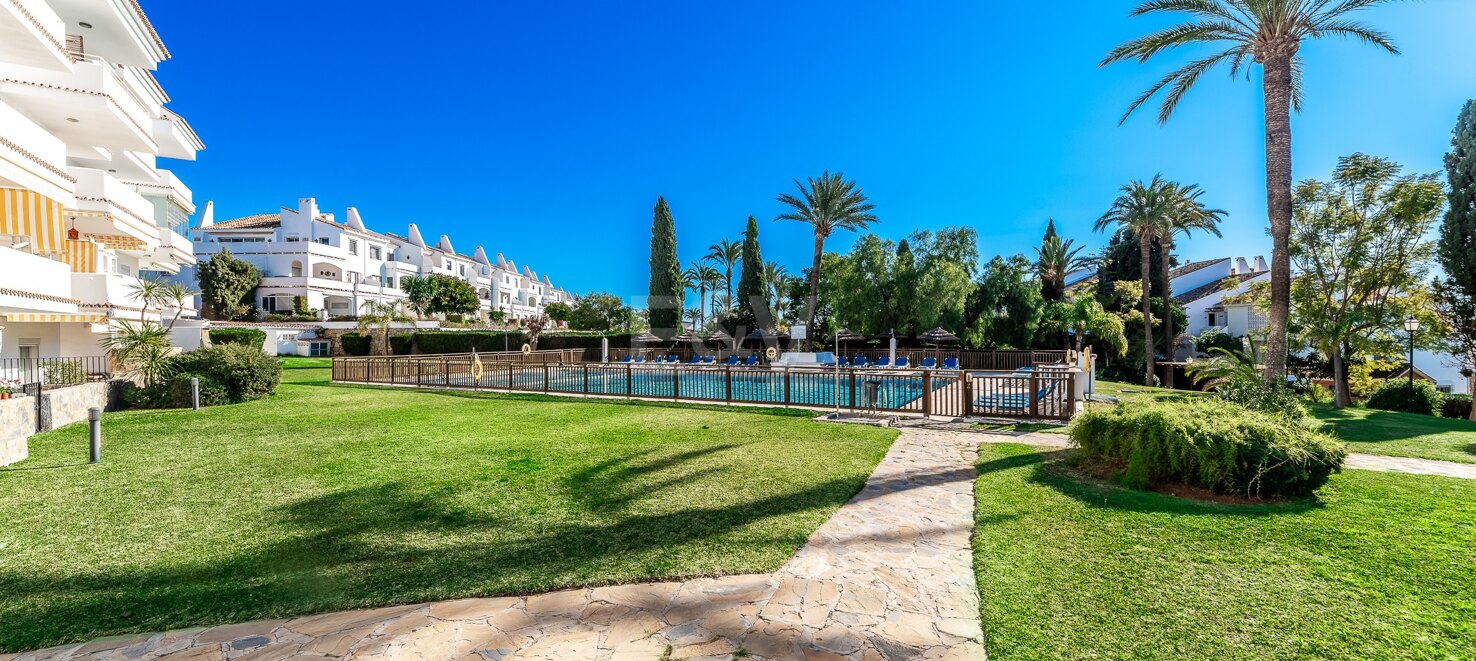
(771, 353)
(476, 370)
(527, 348)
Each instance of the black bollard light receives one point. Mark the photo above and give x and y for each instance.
(94, 433)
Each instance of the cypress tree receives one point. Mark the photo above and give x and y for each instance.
(664, 306)
(1457, 248)
(752, 304)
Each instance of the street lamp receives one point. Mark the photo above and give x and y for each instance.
(1412, 325)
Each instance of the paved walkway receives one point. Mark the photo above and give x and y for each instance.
(890, 576)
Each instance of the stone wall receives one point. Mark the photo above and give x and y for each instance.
(64, 406)
(17, 423)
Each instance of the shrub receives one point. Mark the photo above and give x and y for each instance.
(400, 343)
(64, 373)
(1217, 338)
(251, 337)
(355, 344)
(212, 393)
(1395, 395)
(1276, 399)
(1220, 446)
(294, 318)
(245, 372)
(1456, 406)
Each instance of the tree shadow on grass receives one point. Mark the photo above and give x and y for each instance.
(394, 543)
(619, 481)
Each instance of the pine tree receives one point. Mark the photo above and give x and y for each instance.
(752, 310)
(665, 303)
(1456, 250)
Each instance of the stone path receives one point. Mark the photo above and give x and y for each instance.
(890, 576)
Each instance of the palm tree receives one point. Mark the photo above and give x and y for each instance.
(142, 349)
(704, 276)
(1140, 210)
(1186, 214)
(1055, 259)
(379, 315)
(1086, 316)
(726, 253)
(419, 290)
(775, 276)
(828, 203)
(1269, 33)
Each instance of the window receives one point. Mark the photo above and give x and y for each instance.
(463, 270)
(323, 240)
(389, 281)
(391, 257)
(353, 276)
(374, 252)
(447, 263)
(353, 246)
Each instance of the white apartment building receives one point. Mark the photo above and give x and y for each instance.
(338, 266)
(84, 207)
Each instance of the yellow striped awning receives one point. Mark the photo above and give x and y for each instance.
(32, 214)
(81, 255)
(118, 241)
(46, 318)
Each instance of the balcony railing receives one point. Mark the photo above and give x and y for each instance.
(56, 372)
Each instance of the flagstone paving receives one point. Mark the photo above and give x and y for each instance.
(888, 577)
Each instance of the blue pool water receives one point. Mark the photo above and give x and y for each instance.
(805, 387)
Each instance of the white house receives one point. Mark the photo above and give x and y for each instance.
(1202, 287)
(85, 208)
(337, 266)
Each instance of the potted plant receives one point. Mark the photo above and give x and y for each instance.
(9, 386)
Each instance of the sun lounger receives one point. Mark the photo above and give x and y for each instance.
(628, 359)
(860, 361)
(950, 364)
(752, 360)
(732, 360)
(709, 359)
(902, 362)
(1014, 401)
(640, 359)
(929, 363)
(884, 361)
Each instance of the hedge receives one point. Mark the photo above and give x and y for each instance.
(1395, 395)
(1456, 406)
(251, 337)
(466, 341)
(355, 344)
(1216, 445)
(228, 373)
(400, 343)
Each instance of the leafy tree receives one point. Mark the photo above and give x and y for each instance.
(600, 311)
(859, 286)
(827, 203)
(1268, 33)
(1006, 307)
(1456, 294)
(664, 304)
(1140, 210)
(947, 263)
(726, 253)
(1055, 259)
(558, 311)
(750, 310)
(227, 287)
(1358, 242)
(1186, 213)
(451, 296)
(903, 303)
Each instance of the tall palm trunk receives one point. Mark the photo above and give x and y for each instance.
(1277, 87)
(1169, 349)
(1147, 267)
(814, 299)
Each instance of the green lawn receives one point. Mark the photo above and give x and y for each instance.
(327, 497)
(1364, 430)
(1381, 565)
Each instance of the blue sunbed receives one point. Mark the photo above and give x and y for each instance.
(752, 360)
(732, 360)
(950, 364)
(929, 363)
(902, 362)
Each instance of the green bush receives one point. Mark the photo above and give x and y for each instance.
(1217, 338)
(64, 373)
(245, 372)
(1457, 406)
(1395, 395)
(355, 344)
(251, 337)
(212, 393)
(400, 343)
(1277, 399)
(1220, 446)
(293, 318)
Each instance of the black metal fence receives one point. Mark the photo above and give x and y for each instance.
(1040, 394)
(56, 372)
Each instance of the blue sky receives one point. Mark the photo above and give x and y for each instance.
(546, 131)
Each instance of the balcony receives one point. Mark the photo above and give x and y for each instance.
(43, 281)
(173, 252)
(88, 108)
(120, 32)
(110, 207)
(175, 137)
(33, 159)
(33, 35)
(169, 187)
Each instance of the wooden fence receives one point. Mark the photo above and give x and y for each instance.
(1040, 394)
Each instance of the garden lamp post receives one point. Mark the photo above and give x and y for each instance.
(1412, 325)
